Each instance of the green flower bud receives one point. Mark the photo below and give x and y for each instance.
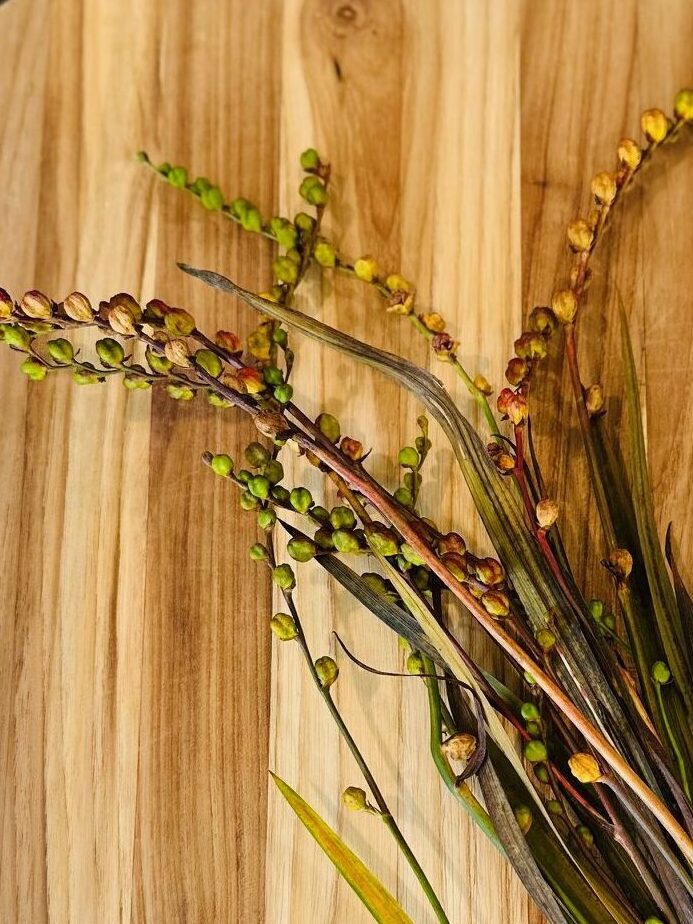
(317, 195)
(329, 427)
(529, 712)
(178, 176)
(222, 465)
(609, 621)
(546, 639)
(310, 159)
(421, 578)
(327, 671)
(212, 199)
(661, 673)
(285, 270)
(342, 518)
(410, 555)
(523, 816)
(110, 352)
(256, 455)
(217, 401)
(366, 268)
(653, 920)
(210, 362)
(284, 577)
(200, 184)
(415, 664)
(535, 751)
(34, 369)
(274, 470)
(283, 627)
(301, 500)
(239, 207)
(252, 221)
(259, 486)
(272, 375)
(85, 377)
(534, 729)
(258, 552)
(323, 539)
(529, 680)
(345, 542)
(280, 337)
(376, 582)
(164, 168)
(135, 383)
(542, 773)
(412, 481)
(304, 222)
(247, 501)
(587, 838)
(596, 608)
(320, 514)
(301, 550)
(244, 475)
(17, 337)
(284, 232)
(554, 807)
(60, 351)
(403, 497)
(408, 457)
(158, 362)
(325, 254)
(266, 518)
(283, 393)
(381, 539)
(280, 494)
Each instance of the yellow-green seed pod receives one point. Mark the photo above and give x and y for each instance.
(179, 322)
(310, 159)
(325, 253)
(580, 235)
(496, 604)
(381, 539)
(546, 639)
(222, 465)
(345, 542)
(60, 351)
(523, 816)
(585, 835)
(584, 767)
(283, 576)
(110, 352)
(354, 799)
(661, 673)
(415, 664)
(329, 427)
(604, 188)
(535, 751)
(564, 305)
(327, 671)
(629, 153)
(210, 362)
(301, 550)
(482, 384)
(366, 268)
(283, 626)
(180, 392)
(683, 105)
(655, 125)
(33, 369)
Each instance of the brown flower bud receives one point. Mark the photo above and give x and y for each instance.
(35, 304)
(629, 153)
(496, 603)
(121, 320)
(530, 346)
(542, 320)
(459, 747)
(177, 352)
(585, 768)
(505, 462)
(124, 300)
(228, 341)
(594, 400)
(444, 347)
(455, 564)
(482, 384)
(580, 236)
(351, 448)
(547, 513)
(604, 188)
(452, 542)
(517, 370)
(564, 305)
(620, 563)
(489, 571)
(513, 405)
(78, 307)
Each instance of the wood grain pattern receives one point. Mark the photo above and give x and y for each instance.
(141, 708)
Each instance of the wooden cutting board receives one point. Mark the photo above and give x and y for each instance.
(142, 700)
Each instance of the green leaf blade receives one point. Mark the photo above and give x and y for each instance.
(381, 904)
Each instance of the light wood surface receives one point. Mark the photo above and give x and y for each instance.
(142, 701)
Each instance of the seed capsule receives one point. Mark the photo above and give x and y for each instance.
(354, 799)
(327, 671)
(594, 400)
(655, 125)
(584, 768)
(523, 816)
(177, 352)
(35, 304)
(621, 563)
(604, 188)
(683, 105)
(459, 747)
(580, 235)
(564, 305)
(283, 626)
(546, 513)
(629, 153)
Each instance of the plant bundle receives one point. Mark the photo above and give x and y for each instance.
(581, 753)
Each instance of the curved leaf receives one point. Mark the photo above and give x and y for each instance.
(369, 889)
